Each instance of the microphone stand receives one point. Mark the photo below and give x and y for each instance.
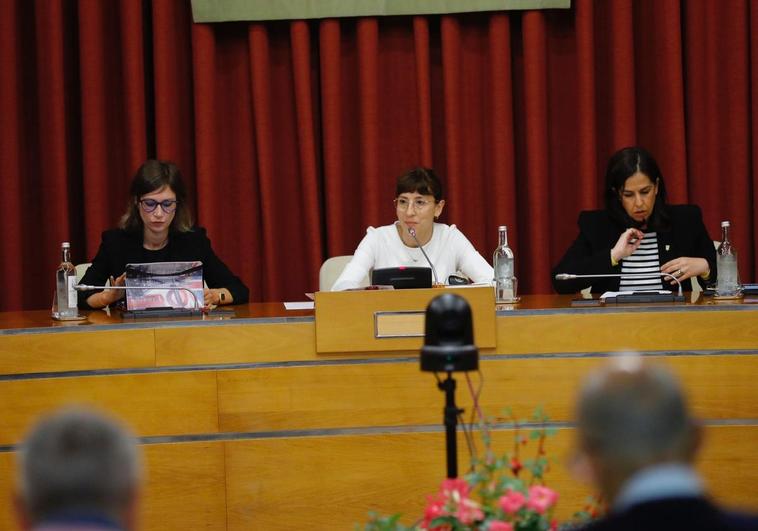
(412, 232)
(679, 297)
(451, 424)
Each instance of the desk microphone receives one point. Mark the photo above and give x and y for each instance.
(86, 287)
(412, 232)
(571, 276)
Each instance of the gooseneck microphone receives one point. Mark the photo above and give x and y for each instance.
(412, 232)
(571, 276)
(86, 287)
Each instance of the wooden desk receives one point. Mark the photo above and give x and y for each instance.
(245, 427)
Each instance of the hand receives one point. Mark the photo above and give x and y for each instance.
(627, 243)
(685, 267)
(212, 297)
(112, 295)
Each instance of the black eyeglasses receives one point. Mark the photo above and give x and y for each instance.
(149, 205)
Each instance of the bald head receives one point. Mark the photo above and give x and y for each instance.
(633, 414)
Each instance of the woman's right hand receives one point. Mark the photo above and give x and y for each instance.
(627, 243)
(109, 296)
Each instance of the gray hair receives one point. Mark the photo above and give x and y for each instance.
(78, 460)
(632, 414)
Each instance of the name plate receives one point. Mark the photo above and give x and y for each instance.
(399, 324)
(392, 320)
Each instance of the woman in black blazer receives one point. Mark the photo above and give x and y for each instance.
(637, 234)
(157, 227)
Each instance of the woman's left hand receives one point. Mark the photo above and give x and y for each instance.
(211, 297)
(685, 267)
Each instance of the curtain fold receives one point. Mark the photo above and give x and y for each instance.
(291, 133)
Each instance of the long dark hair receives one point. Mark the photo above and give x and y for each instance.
(151, 176)
(622, 165)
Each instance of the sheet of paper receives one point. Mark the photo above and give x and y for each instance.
(305, 305)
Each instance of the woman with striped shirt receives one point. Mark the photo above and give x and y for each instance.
(637, 234)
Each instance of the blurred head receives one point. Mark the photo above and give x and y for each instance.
(78, 461)
(158, 200)
(418, 199)
(632, 415)
(635, 194)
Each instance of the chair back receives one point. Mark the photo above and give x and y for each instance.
(81, 269)
(331, 269)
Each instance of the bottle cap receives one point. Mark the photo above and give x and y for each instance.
(725, 224)
(65, 245)
(502, 227)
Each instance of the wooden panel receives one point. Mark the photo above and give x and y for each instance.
(153, 404)
(80, 350)
(345, 320)
(730, 464)
(327, 396)
(7, 490)
(185, 487)
(333, 482)
(642, 330)
(235, 344)
(391, 394)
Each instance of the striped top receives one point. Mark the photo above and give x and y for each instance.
(644, 260)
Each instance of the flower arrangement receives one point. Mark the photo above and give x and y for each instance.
(500, 493)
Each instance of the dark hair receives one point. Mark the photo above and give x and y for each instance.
(622, 165)
(151, 176)
(79, 460)
(421, 180)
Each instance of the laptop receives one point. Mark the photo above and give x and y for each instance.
(402, 277)
(151, 285)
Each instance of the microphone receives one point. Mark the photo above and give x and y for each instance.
(571, 276)
(412, 232)
(86, 287)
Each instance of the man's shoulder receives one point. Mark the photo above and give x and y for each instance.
(695, 514)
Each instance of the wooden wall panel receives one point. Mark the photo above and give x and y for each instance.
(333, 482)
(185, 487)
(7, 489)
(79, 350)
(235, 344)
(173, 403)
(611, 332)
(391, 394)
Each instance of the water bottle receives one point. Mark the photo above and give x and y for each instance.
(502, 263)
(65, 303)
(728, 280)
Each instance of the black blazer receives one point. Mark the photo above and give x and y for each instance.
(691, 514)
(119, 248)
(590, 254)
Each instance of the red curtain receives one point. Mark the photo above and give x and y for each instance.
(291, 133)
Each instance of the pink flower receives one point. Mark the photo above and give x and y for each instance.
(512, 501)
(454, 488)
(468, 512)
(541, 498)
(499, 525)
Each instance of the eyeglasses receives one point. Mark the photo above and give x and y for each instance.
(149, 205)
(401, 203)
